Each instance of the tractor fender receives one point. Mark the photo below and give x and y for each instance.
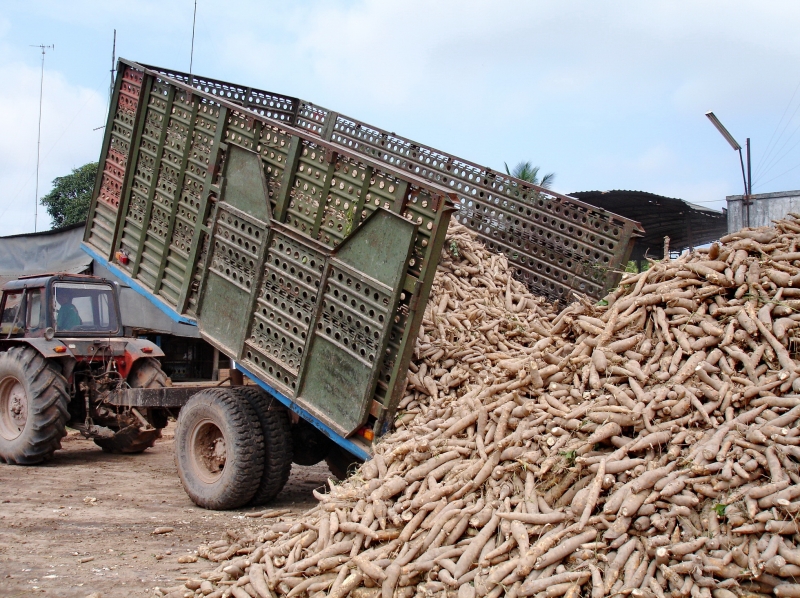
(47, 349)
(136, 349)
(140, 347)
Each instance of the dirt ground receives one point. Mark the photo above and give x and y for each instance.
(84, 522)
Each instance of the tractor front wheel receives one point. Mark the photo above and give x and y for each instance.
(33, 406)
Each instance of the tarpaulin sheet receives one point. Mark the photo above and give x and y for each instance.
(42, 253)
(60, 251)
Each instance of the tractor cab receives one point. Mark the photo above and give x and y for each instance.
(59, 305)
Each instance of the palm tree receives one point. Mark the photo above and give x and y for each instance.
(530, 173)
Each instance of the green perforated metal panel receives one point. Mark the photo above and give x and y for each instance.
(110, 187)
(303, 260)
(556, 243)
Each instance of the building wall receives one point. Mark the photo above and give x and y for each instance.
(765, 208)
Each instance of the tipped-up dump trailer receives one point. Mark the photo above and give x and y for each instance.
(303, 246)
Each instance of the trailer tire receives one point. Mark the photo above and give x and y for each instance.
(219, 451)
(33, 407)
(145, 373)
(309, 445)
(341, 463)
(276, 428)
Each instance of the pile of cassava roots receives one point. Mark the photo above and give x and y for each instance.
(646, 445)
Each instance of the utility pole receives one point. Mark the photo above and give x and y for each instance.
(749, 182)
(113, 76)
(39, 135)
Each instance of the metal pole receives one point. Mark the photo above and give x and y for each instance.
(191, 55)
(749, 182)
(744, 197)
(113, 68)
(39, 139)
(236, 377)
(215, 367)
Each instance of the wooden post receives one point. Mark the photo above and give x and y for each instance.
(237, 378)
(215, 368)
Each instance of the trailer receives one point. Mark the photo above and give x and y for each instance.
(305, 257)
(557, 243)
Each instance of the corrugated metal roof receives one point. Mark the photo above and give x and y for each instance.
(685, 223)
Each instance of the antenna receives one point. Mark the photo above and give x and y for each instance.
(113, 67)
(39, 135)
(113, 75)
(191, 54)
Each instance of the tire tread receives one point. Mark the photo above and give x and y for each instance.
(47, 404)
(276, 428)
(248, 442)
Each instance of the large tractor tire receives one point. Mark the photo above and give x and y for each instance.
(276, 428)
(33, 406)
(219, 449)
(146, 373)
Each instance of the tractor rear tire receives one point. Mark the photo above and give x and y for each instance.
(276, 428)
(33, 406)
(219, 449)
(146, 373)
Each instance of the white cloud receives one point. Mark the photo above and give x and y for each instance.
(607, 95)
(69, 113)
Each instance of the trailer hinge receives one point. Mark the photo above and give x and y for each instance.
(376, 409)
(412, 303)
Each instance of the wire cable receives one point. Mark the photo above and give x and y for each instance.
(52, 147)
(767, 149)
(777, 158)
(780, 175)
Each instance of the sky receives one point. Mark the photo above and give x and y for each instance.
(607, 95)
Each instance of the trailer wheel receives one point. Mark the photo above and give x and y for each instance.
(219, 449)
(341, 463)
(33, 407)
(309, 445)
(146, 373)
(276, 428)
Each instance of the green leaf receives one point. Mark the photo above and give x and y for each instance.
(526, 171)
(454, 249)
(69, 201)
(720, 509)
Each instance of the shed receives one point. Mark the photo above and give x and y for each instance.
(686, 224)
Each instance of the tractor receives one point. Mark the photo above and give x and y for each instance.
(65, 361)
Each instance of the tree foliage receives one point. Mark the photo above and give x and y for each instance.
(68, 202)
(530, 173)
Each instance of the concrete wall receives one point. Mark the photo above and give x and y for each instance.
(765, 208)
